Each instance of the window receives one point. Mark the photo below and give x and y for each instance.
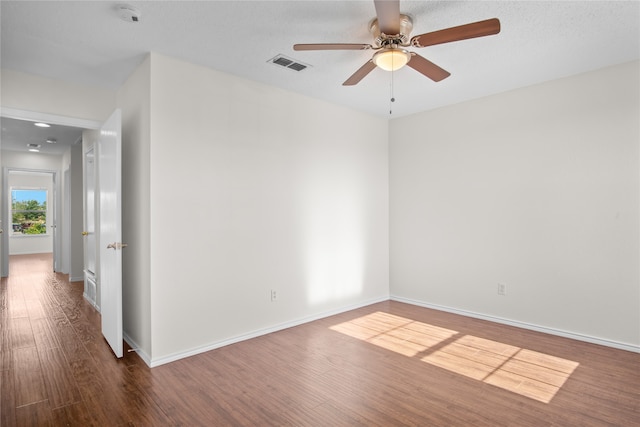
(28, 211)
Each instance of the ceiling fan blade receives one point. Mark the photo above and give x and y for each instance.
(462, 32)
(360, 74)
(332, 46)
(428, 68)
(388, 13)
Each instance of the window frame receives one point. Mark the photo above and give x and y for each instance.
(45, 211)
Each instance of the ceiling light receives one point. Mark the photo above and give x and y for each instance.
(391, 59)
(51, 140)
(42, 125)
(34, 150)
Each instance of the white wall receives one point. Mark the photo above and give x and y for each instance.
(252, 189)
(538, 189)
(72, 162)
(38, 94)
(134, 99)
(76, 265)
(31, 161)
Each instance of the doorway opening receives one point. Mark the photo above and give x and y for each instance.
(32, 217)
(54, 155)
(105, 139)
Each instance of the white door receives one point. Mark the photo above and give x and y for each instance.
(110, 231)
(89, 233)
(3, 273)
(65, 244)
(54, 226)
(4, 236)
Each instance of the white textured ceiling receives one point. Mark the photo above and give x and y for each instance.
(86, 42)
(18, 134)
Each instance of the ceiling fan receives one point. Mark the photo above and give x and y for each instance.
(391, 30)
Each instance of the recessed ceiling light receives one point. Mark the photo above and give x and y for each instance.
(51, 140)
(33, 145)
(34, 150)
(42, 125)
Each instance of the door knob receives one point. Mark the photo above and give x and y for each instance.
(116, 245)
(85, 233)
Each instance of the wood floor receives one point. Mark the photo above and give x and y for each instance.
(384, 365)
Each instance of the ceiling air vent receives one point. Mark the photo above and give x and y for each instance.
(33, 145)
(289, 63)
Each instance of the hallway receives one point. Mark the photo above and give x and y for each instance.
(55, 363)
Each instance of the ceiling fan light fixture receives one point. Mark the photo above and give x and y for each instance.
(391, 59)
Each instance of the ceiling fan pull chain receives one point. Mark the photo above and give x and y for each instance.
(392, 99)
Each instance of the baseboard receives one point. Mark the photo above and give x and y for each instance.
(26, 253)
(135, 347)
(93, 304)
(523, 325)
(181, 355)
(76, 278)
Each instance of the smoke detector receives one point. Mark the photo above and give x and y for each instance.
(128, 13)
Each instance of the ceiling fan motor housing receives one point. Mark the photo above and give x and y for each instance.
(400, 39)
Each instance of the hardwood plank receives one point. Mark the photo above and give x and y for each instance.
(27, 376)
(16, 305)
(398, 345)
(60, 384)
(35, 308)
(69, 342)
(522, 385)
(35, 414)
(540, 373)
(20, 333)
(3, 300)
(5, 346)
(44, 333)
(460, 365)
(76, 414)
(142, 407)
(7, 399)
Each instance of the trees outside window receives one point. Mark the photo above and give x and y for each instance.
(29, 211)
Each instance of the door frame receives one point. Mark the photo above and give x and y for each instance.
(65, 239)
(14, 113)
(52, 219)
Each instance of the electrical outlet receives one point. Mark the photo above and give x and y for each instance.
(502, 289)
(274, 295)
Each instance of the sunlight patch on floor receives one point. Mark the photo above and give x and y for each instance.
(532, 374)
(395, 333)
(529, 373)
